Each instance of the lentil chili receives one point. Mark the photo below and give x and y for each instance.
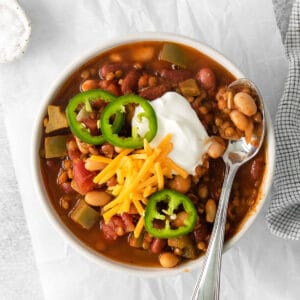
(149, 70)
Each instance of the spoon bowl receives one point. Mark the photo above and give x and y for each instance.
(237, 153)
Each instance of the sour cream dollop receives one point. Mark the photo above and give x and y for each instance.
(175, 116)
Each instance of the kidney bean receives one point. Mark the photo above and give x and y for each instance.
(66, 187)
(99, 104)
(130, 82)
(108, 150)
(158, 224)
(175, 76)
(91, 124)
(207, 79)
(113, 67)
(157, 245)
(158, 66)
(110, 86)
(114, 89)
(201, 233)
(152, 93)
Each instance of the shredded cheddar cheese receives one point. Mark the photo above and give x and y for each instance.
(139, 174)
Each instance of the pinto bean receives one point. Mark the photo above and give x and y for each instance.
(180, 184)
(115, 57)
(85, 74)
(143, 54)
(245, 104)
(216, 149)
(210, 209)
(157, 245)
(206, 78)
(89, 84)
(203, 191)
(239, 120)
(118, 149)
(130, 82)
(92, 165)
(72, 149)
(83, 147)
(152, 93)
(168, 259)
(175, 76)
(180, 219)
(202, 246)
(110, 76)
(97, 198)
(63, 177)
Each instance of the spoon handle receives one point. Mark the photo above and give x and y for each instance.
(208, 283)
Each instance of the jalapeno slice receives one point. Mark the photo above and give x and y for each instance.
(118, 106)
(78, 128)
(163, 206)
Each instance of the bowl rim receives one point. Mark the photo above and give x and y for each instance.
(40, 188)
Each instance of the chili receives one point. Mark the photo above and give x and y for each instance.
(155, 211)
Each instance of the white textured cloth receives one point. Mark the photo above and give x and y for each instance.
(284, 212)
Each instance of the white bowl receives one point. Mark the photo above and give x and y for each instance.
(42, 193)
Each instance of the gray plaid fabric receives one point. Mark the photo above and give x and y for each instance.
(283, 217)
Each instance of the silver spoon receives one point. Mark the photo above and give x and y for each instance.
(237, 153)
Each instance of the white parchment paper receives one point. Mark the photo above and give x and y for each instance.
(246, 32)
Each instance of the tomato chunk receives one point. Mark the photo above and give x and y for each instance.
(117, 226)
(83, 178)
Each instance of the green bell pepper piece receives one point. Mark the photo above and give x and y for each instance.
(189, 87)
(55, 146)
(173, 54)
(84, 215)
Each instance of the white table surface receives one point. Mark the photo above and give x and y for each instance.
(19, 278)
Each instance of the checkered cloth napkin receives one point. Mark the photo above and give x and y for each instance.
(283, 217)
